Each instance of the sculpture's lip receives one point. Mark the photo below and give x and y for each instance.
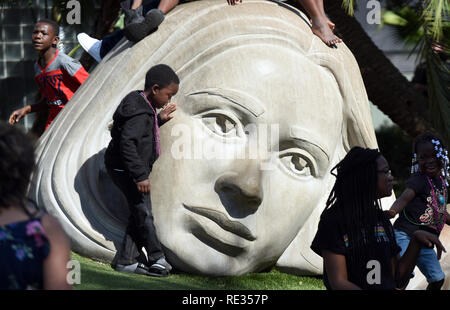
(222, 220)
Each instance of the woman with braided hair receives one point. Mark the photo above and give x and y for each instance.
(355, 238)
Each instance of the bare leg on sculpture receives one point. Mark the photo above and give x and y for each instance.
(321, 25)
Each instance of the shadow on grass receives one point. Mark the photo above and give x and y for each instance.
(94, 278)
(100, 276)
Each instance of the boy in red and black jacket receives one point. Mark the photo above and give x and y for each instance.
(57, 75)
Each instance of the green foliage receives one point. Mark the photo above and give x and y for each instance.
(406, 23)
(432, 14)
(349, 6)
(438, 76)
(59, 10)
(120, 23)
(424, 24)
(100, 276)
(414, 22)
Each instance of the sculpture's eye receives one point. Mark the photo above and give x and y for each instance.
(297, 163)
(221, 123)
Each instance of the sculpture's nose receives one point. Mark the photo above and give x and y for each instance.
(240, 189)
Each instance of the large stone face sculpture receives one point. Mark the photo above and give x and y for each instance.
(265, 110)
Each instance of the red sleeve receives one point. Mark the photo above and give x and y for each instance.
(80, 76)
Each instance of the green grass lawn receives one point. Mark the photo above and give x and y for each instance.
(100, 276)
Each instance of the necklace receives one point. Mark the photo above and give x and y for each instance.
(438, 203)
(439, 213)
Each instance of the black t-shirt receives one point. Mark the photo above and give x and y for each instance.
(418, 213)
(332, 236)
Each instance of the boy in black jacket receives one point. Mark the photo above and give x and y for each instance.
(129, 158)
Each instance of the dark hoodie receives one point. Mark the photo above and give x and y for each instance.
(133, 144)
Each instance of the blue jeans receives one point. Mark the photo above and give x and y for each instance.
(110, 40)
(427, 262)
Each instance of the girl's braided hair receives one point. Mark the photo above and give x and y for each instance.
(354, 194)
(440, 152)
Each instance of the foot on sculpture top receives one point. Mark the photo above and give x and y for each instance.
(322, 27)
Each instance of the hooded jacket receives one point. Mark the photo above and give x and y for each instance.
(133, 144)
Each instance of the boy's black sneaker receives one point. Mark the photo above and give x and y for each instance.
(131, 16)
(162, 261)
(160, 268)
(145, 270)
(126, 268)
(137, 268)
(135, 32)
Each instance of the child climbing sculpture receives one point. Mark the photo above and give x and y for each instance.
(141, 19)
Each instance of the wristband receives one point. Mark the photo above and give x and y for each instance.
(393, 211)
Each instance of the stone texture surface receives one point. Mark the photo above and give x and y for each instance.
(254, 80)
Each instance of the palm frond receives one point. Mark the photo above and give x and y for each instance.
(425, 24)
(349, 6)
(72, 52)
(434, 14)
(406, 23)
(393, 19)
(438, 76)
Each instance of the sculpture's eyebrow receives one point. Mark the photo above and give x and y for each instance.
(306, 138)
(238, 98)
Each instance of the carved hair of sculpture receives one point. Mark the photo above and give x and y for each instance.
(253, 77)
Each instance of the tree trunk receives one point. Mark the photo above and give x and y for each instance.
(386, 87)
